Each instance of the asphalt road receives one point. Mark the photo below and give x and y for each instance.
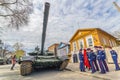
(7, 74)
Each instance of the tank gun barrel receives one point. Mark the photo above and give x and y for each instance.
(45, 20)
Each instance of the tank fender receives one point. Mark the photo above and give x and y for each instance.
(27, 59)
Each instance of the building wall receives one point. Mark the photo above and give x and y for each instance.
(96, 38)
(53, 48)
(106, 40)
(77, 38)
(63, 51)
(83, 37)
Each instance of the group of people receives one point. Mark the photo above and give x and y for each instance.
(96, 60)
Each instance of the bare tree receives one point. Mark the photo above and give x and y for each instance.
(5, 50)
(17, 46)
(16, 12)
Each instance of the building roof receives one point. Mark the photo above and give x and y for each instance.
(53, 45)
(62, 45)
(90, 29)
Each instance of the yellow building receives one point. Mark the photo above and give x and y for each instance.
(90, 37)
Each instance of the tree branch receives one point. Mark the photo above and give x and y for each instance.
(1, 4)
(17, 13)
(6, 15)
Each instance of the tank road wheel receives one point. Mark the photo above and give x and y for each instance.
(25, 68)
(64, 64)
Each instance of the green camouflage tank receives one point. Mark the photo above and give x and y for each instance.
(40, 59)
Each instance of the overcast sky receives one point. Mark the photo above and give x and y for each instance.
(65, 17)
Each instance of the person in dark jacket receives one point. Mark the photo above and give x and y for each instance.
(95, 60)
(90, 58)
(100, 62)
(81, 58)
(104, 59)
(114, 57)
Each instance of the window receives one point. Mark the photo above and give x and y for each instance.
(74, 46)
(113, 43)
(104, 41)
(89, 40)
(110, 43)
(81, 44)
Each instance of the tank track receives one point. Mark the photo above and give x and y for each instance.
(64, 64)
(25, 68)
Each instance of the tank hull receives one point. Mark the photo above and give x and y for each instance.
(47, 63)
(29, 64)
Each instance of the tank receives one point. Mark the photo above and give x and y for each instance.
(42, 59)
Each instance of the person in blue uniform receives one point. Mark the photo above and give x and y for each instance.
(90, 58)
(114, 57)
(95, 61)
(100, 62)
(81, 58)
(104, 59)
